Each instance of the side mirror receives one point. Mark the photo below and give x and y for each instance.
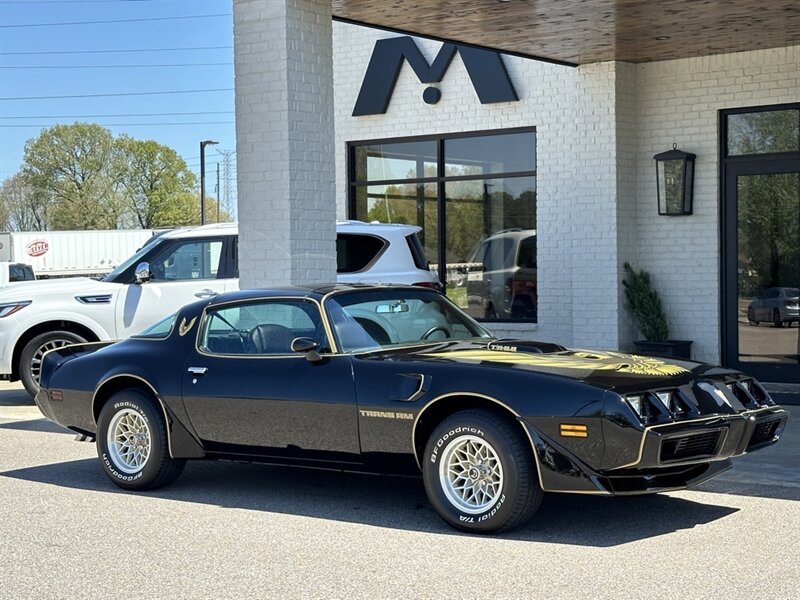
(308, 347)
(142, 272)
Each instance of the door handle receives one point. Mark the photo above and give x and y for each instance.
(198, 370)
(206, 293)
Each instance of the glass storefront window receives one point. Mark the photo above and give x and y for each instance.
(489, 155)
(763, 132)
(479, 192)
(387, 162)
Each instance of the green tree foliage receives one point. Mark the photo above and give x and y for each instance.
(73, 164)
(79, 176)
(21, 207)
(155, 183)
(645, 304)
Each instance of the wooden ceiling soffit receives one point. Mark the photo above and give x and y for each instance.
(587, 31)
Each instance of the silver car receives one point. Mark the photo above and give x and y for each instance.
(777, 305)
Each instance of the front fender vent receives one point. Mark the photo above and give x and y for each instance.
(95, 299)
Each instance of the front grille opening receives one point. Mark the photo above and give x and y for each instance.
(764, 432)
(690, 446)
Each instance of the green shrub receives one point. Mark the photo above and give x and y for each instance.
(645, 304)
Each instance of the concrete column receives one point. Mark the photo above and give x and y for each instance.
(283, 61)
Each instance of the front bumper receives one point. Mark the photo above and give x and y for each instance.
(708, 439)
(671, 455)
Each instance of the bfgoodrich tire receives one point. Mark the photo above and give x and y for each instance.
(479, 473)
(132, 443)
(30, 359)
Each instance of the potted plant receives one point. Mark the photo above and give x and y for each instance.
(650, 318)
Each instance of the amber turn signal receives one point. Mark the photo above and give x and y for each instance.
(574, 430)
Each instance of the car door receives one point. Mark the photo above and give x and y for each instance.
(183, 271)
(246, 392)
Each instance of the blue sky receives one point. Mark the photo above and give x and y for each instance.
(26, 42)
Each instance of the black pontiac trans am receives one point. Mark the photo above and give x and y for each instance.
(394, 379)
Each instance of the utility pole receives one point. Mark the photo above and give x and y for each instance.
(216, 193)
(203, 145)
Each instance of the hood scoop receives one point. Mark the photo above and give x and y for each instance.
(530, 346)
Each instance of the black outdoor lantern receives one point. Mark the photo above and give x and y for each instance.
(675, 181)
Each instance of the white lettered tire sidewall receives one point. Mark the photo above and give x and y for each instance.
(132, 400)
(498, 512)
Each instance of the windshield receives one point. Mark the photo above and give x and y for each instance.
(375, 319)
(136, 258)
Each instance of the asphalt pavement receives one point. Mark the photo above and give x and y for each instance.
(249, 531)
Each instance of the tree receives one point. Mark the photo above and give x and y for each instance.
(73, 164)
(22, 208)
(156, 183)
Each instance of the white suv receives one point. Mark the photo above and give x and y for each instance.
(172, 269)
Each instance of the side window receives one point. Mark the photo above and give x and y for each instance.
(771, 293)
(20, 273)
(354, 252)
(527, 253)
(184, 261)
(263, 327)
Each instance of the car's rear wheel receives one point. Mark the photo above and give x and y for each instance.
(132, 443)
(776, 318)
(30, 359)
(479, 473)
(751, 316)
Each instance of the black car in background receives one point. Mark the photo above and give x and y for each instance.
(397, 379)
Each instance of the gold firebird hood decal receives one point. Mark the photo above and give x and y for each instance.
(578, 359)
(183, 328)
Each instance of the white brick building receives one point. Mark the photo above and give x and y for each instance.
(597, 127)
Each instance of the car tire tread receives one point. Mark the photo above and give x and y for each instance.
(510, 441)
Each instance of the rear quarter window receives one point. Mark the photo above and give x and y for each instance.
(355, 252)
(417, 252)
(20, 273)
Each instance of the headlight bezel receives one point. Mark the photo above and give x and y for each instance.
(9, 308)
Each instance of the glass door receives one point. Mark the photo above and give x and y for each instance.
(761, 210)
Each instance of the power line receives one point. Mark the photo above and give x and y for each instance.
(217, 64)
(106, 22)
(168, 114)
(30, 125)
(7, 99)
(73, 1)
(114, 51)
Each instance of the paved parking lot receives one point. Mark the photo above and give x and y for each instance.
(240, 531)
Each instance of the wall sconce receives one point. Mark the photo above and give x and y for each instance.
(675, 181)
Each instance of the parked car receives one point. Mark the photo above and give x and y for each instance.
(11, 272)
(172, 269)
(503, 286)
(777, 305)
(393, 379)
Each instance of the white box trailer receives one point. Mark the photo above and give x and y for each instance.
(71, 253)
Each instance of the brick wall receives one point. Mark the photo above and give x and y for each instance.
(598, 127)
(678, 103)
(284, 141)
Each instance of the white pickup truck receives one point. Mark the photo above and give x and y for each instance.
(173, 269)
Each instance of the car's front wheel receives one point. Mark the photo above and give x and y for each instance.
(776, 318)
(132, 443)
(479, 473)
(30, 359)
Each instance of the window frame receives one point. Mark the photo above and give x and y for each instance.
(440, 180)
(206, 318)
